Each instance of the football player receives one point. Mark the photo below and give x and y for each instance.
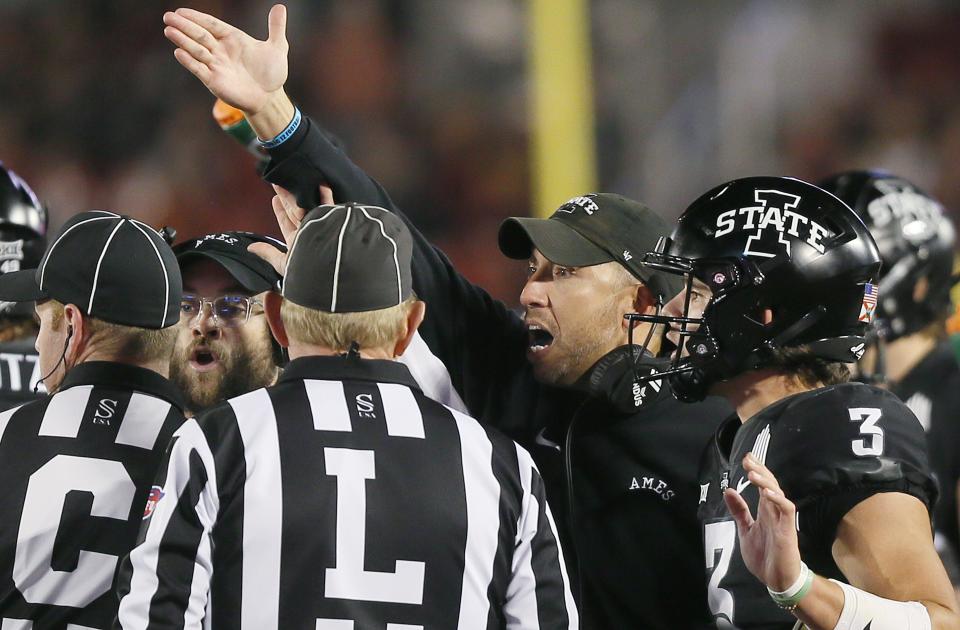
(912, 355)
(23, 229)
(815, 495)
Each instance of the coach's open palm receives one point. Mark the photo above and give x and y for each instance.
(243, 71)
(768, 543)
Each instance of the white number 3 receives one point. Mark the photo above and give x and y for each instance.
(869, 417)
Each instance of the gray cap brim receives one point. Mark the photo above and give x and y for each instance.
(21, 286)
(558, 243)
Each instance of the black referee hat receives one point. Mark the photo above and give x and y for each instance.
(349, 259)
(229, 250)
(110, 266)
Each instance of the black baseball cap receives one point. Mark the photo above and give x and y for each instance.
(110, 266)
(591, 230)
(349, 259)
(229, 250)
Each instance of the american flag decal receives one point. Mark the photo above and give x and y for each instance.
(868, 309)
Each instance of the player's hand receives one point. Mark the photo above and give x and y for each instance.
(289, 215)
(768, 544)
(243, 71)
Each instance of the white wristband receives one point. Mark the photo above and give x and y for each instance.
(794, 588)
(862, 609)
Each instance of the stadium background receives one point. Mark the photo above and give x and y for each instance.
(433, 98)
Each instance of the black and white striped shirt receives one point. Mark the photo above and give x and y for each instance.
(75, 473)
(344, 498)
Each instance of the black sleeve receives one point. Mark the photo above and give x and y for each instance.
(479, 340)
(848, 448)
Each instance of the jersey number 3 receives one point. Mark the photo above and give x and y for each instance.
(868, 417)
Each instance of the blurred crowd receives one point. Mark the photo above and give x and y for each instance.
(431, 97)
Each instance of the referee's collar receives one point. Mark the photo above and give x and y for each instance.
(125, 376)
(348, 368)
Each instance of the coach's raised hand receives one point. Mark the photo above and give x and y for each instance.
(246, 72)
(289, 215)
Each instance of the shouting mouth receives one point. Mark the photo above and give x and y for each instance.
(538, 339)
(203, 359)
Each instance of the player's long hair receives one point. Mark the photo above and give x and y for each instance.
(13, 328)
(809, 370)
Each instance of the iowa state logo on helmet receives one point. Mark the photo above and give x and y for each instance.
(771, 223)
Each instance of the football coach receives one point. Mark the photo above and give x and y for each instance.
(619, 457)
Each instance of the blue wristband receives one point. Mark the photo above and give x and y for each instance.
(284, 135)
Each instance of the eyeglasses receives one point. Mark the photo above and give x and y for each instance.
(227, 310)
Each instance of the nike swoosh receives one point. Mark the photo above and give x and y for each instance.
(743, 483)
(542, 441)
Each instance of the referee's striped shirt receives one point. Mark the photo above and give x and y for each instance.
(342, 498)
(75, 473)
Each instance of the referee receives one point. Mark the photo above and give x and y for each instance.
(342, 497)
(78, 466)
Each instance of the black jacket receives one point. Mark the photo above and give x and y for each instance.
(620, 470)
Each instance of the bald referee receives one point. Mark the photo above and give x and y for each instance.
(77, 467)
(342, 497)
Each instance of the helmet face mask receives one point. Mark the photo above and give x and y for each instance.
(785, 264)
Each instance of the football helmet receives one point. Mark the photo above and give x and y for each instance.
(916, 241)
(23, 231)
(762, 243)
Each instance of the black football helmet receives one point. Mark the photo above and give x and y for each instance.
(766, 243)
(23, 231)
(916, 241)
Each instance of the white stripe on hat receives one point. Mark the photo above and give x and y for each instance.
(276, 241)
(96, 273)
(43, 267)
(166, 278)
(336, 265)
(396, 262)
(297, 238)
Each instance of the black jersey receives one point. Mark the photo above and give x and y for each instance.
(932, 391)
(829, 448)
(76, 472)
(19, 373)
(327, 504)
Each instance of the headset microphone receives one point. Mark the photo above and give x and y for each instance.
(36, 387)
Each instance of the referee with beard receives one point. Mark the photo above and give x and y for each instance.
(224, 347)
(343, 497)
(78, 465)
